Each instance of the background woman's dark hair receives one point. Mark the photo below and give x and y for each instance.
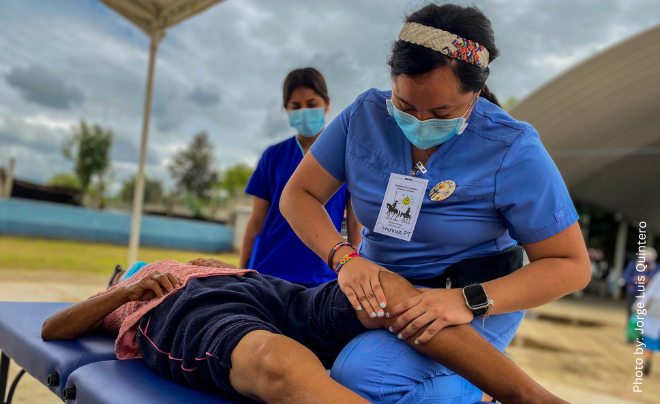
(467, 22)
(306, 77)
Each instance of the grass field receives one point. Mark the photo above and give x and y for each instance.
(73, 256)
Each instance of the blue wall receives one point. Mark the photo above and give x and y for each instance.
(22, 217)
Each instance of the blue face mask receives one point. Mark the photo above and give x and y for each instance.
(428, 133)
(308, 121)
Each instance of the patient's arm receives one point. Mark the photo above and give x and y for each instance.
(88, 315)
(211, 262)
(461, 349)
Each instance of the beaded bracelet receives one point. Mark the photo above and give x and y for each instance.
(345, 259)
(337, 247)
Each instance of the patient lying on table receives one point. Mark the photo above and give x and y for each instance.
(254, 337)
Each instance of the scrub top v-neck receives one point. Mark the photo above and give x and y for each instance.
(508, 189)
(277, 251)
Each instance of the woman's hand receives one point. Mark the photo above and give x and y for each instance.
(358, 279)
(156, 284)
(211, 262)
(437, 308)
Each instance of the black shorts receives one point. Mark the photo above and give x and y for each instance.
(189, 337)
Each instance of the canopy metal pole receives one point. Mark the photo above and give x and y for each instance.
(620, 254)
(138, 192)
(8, 185)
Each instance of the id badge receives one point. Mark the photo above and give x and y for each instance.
(401, 205)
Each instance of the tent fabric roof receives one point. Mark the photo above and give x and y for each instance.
(155, 16)
(600, 122)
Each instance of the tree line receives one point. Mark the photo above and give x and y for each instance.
(192, 169)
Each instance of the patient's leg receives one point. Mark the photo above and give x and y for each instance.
(276, 369)
(463, 350)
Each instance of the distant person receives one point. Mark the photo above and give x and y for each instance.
(635, 278)
(651, 337)
(270, 246)
(599, 266)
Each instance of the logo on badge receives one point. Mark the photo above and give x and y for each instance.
(442, 190)
(393, 213)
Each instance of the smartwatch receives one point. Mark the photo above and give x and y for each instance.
(476, 299)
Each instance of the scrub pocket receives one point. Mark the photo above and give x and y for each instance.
(385, 370)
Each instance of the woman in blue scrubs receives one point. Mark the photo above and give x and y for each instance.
(270, 246)
(438, 174)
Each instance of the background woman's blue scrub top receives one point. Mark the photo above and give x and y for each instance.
(508, 188)
(277, 250)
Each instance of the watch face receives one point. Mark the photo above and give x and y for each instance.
(475, 295)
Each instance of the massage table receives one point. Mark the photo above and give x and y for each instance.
(82, 371)
(131, 378)
(85, 369)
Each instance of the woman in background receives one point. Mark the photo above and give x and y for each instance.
(270, 246)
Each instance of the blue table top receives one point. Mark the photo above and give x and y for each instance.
(132, 381)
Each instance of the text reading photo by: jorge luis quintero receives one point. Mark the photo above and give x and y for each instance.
(643, 311)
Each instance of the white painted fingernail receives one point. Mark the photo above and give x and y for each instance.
(380, 314)
(387, 315)
(391, 330)
(399, 336)
(416, 343)
(359, 307)
(382, 305)
(373, 314)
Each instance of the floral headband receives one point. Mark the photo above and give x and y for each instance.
(444, 42)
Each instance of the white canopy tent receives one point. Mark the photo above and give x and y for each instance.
(153, 17)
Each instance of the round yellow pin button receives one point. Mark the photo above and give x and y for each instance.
(442, 190)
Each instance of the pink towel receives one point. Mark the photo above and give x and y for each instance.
(125, 320)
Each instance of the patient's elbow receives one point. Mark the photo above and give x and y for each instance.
(50, 330)
(47, 332)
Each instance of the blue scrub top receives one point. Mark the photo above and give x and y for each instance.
(277, 250)
(508, 188)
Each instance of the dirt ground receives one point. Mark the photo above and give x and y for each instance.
(574, 348)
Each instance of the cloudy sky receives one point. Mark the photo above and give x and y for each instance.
(222, 71)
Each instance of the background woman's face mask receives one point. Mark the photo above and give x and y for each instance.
(308, 121)
(428, 133)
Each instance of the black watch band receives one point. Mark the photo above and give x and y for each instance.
(479, 312)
